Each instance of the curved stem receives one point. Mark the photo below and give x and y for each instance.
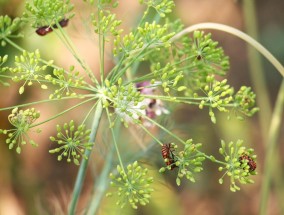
(237, 33)
(272, 140)
(83, 167)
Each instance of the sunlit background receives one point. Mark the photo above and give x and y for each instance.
(36, 183)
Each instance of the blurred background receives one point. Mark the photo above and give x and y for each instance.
(35, 183)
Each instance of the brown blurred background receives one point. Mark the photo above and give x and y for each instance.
(35, 183)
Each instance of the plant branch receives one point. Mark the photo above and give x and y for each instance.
(63, 112)
(270, 148)
(83, 167)
(235, 32)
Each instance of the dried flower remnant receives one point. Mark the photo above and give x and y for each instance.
(154, 107)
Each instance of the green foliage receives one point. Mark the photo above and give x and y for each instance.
(162, 7)
(8, 27)
(245, 102)
(181, 70)
(29, 69)
(47, 12)
(147, 36)
(218, 95)
(3, 70)
(103, 3)
(168, 76)
(106, 23)
(73, 142)
(126, 101)
(23, 121)
(188, 161)
(2, 61)
(65, 82)
(187, 61)
(133, 185)
(237, 168)
(209, 58)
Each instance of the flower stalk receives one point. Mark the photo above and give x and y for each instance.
(83, 167)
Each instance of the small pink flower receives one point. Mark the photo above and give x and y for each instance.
(155, 107)
(145, 88)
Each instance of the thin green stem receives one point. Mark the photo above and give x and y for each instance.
(102, 49)
(256, 69)
(102, 56)
(63, 112)
(83, 167)
(101, 184)
(151, 135)
(258, 80)
(114, 141)
(122, 71)
(21, 49)
(13, 44)
(164, 129)
(37, 102)
(116, 68)
(41, 60)
(237, 33)
(209, 158)
(89, 112)
(145, 77)
(71, 47)
(58, 82)
(270, 148)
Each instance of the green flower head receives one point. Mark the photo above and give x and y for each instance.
(47, 12)
(133, 185)
(22, 120)
(72, 141)
(7, 28)
(240, 164)
(29, 69)
(188, 161)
